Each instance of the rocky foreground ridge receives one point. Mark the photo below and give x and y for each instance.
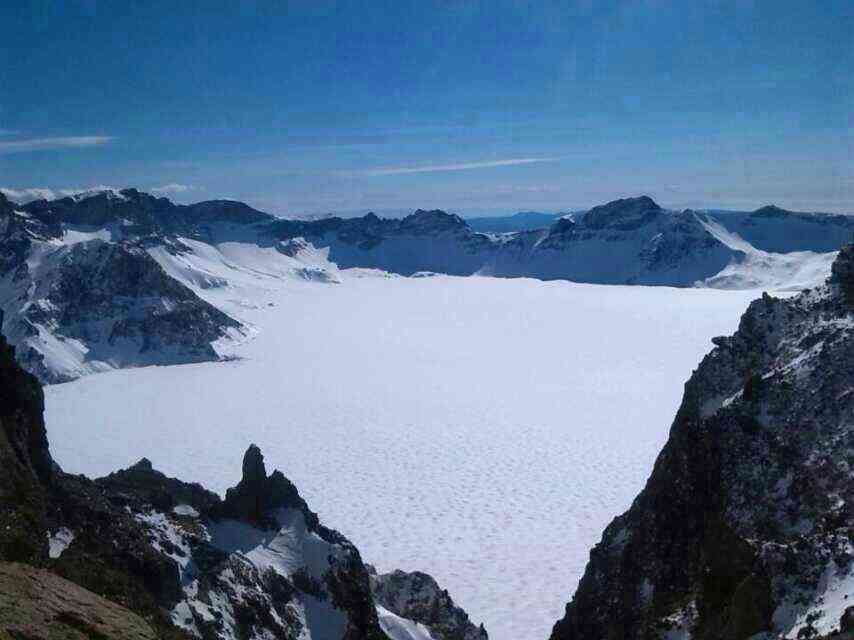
(140, 555)
(745, 527)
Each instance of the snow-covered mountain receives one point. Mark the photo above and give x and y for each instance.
(121, 278)
(80, 297)
(629, 241)
(777, 230)
(138, 554)
(112, 279)
(744, 527)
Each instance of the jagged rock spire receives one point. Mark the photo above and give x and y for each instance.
(254, 472)
(257, 495)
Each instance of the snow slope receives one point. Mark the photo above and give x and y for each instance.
(483, 430)
(757, 269)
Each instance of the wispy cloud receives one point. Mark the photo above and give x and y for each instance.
(173, 187)
(73, 191)
(28, 193)
(8, 132)
(462, 166)
(41, 144)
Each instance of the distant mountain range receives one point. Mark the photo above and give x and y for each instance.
(781, 237)
(522, 221)
(122, 278)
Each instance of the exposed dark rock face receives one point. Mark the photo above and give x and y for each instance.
(843, 273)
(623, 215)
(744, 526)
(27, 468)
(418, 597)
(156, 314)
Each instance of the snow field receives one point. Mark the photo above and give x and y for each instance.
(482, 430)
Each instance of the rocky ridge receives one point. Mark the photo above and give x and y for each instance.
(744, 528)
(416, 596)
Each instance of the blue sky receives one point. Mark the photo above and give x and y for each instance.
(475, 107)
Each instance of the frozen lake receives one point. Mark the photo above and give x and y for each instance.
(482, 430)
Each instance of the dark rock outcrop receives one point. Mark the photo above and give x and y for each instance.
(27, 467)
(258, 495)
(141, 485)
(623, 215)
(842, 273)
(744, 526)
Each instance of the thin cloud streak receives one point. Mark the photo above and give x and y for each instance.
(41, 144)
(463, 166)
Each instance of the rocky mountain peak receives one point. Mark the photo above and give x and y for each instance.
(254, 472)
(624, 214)
(563, 225)
(770, 211)
(417, 596)
(229, 211)
(257, 496)
(144, 464)
(432, 220)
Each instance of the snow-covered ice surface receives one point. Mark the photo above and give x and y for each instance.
(482, 430)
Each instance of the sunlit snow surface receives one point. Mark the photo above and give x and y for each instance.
(482, 430)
